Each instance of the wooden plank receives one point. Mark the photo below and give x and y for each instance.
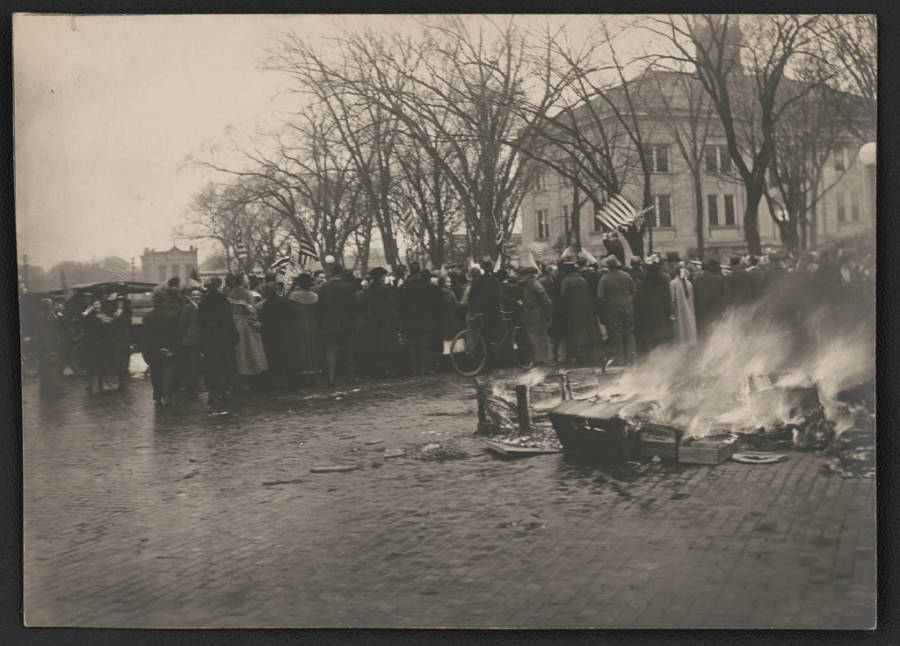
(509, 449)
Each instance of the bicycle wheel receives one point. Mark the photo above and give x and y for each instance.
(522, 348)
(468, 352)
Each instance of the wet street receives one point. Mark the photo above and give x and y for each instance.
(137, 517)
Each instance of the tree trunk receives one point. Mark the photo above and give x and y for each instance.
(804, 228)
(751, 220)
(366, 246)
(698, 198)
(814, 227)
(576, 216)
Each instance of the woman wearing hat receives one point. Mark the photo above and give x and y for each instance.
(250, 355)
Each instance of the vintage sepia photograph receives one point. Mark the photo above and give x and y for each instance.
(447, 320)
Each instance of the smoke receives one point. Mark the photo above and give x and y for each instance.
(804, 333)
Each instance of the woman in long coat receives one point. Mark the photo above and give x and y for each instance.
(380, 322)
(305, 329)
(582, 332)
(535, 315)
(249, 353)
(682, 294)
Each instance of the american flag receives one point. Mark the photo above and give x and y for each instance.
(618, 214)
(280, 264)
(117, 267)
(239, 247)
(307, 246)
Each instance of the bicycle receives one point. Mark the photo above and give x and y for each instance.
(469, 350)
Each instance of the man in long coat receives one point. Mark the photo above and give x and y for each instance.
(615, 292)
(535, 314)
(189, 333)
(380, 321)
(582, 337)
(419, 301)
(710, 297)
(160, 343)
(484, 298)
(218, 336)
(337, 311)
(738, 284)
(652, 309)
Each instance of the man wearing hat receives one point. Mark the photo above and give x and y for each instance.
(380, 322)
(614, 246)
(579, 320)
(738, 283)
(535, 314)
(710, 297)
(484, 299)
(616, 296)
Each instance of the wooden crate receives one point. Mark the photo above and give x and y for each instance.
(661, 441)
(706, 450)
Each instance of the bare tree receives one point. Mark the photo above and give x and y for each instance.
(743, 65)
(453, 89)
(848, 54)
(596, 134)
(686, 112)
(808, 134)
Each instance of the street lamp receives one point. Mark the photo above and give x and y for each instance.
(868, 157)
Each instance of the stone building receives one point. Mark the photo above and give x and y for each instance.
(159, 266)
(846, 209)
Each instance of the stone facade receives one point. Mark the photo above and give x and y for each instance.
(159, 266)
(545, 209)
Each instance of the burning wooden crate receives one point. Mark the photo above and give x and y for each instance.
(783, 396)
(707, 450)
(593, 430)
(660, 441)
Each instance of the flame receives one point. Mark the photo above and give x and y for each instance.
(706, 390)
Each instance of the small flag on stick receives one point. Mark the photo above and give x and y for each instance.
(240, 248)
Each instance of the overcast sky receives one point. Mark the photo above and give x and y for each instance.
(108, 108)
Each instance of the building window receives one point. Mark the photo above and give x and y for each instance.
(729, 210)
(854, 206)
(841, 208)
(840, 162)
(662, 211)
(540, 181)
(543, 226)
(712, 210)
(717, 159)
(658, 156)
(162, 273)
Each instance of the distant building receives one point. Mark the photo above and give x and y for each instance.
(160, 266)
(845, 210)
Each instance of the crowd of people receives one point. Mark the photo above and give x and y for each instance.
(251, 333)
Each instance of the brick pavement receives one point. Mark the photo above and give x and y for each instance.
(176, 518)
